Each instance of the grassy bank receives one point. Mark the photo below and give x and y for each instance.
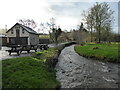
(106, 52)
(36, 71)
(30, 72)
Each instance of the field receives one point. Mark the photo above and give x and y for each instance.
(106, 52)
(29, 72)
(44, 36)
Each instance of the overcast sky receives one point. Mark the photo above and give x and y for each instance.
(67, 13)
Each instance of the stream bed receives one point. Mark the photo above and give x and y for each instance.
(75, 71)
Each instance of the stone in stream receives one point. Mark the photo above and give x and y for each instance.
(116, 82)
(63, 71)
(74, 79)
(78, 67)
(70, 61)
(109, 70)
(67, 74)
(77, 72)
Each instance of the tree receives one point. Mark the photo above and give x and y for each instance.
(54, 31)
(27, 22)
(57, 33)
(106, 33)
(88, 18)
(99, 17)
(81, 35)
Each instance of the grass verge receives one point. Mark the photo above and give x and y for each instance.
(106, 52)
(30, 72)
(36, 71)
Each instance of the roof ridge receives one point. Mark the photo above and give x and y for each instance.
(29, 29)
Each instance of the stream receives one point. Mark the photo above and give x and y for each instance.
(75, 71)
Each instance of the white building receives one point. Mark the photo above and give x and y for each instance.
(22, 35)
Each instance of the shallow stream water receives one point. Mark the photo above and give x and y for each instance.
(75, 71)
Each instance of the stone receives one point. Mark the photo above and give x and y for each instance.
(70, 61)
(63, 71)
(109, 70)
(67, 74)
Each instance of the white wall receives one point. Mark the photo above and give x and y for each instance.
(34, 39)
(25, 34)
(9, 34)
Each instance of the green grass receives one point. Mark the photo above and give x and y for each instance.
(44, 36)
(45, 54)
(106, 52)
(29, 72)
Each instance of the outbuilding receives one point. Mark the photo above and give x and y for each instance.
(22, 35)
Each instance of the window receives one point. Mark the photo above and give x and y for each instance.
(17, 33)
(23, 31)
(12, 31)
(24, 40)
(17, 27)
(12, 40)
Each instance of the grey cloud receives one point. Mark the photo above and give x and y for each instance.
(69, 8)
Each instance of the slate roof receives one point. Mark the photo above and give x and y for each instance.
(30, 30)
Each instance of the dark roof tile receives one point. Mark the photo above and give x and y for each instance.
(30, 30)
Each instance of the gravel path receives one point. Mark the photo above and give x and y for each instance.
(74, 71)
(5, 55)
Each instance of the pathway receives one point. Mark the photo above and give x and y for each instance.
(5, 55)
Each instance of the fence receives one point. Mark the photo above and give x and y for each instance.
(44, 41)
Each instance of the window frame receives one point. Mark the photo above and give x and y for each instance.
(23, 31)
(12, 32)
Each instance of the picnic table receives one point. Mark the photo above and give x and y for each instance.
(33, 47)
(43, 46)
(19, 48)
(25, 48)
(14, 48)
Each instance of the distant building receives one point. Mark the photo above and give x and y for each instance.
(22, 35)
(3, 40)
